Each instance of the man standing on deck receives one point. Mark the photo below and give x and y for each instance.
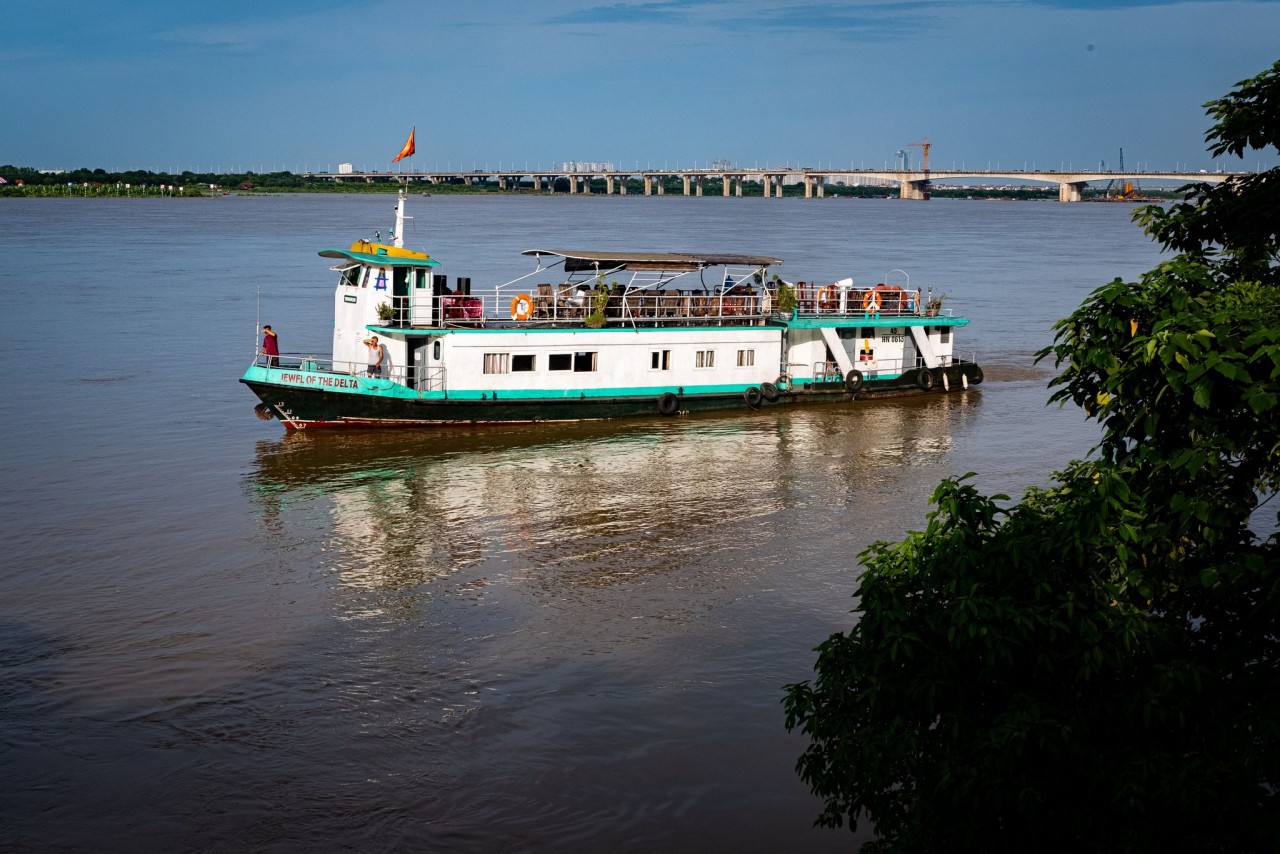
(375, 357)
(270, 346)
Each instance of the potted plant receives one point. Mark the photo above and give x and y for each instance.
(786, 297)
(933, 306)
(385, 312)
(599, 302)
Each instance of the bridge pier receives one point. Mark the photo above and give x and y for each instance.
(608, 185)
(914, 190)
(1071, 192)
(685, 179)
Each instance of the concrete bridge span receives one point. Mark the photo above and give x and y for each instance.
(912, 184)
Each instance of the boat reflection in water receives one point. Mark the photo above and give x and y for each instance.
(590, 504)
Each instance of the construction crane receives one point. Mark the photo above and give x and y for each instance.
(1125, 190)
(924, 145)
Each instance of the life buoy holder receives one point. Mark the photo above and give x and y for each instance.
(770, 391)
(925, 379)
(828, 298)
(853, 381)
(753, 396)
(521, 307)
(668, 403)
(871, 302)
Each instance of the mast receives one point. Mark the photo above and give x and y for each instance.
(398, 237)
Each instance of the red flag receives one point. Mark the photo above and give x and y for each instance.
(408, 149)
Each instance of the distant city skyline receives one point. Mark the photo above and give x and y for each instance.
(304, 86)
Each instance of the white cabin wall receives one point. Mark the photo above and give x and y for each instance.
(623, 359)
(351, 318)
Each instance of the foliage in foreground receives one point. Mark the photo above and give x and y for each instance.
(1096, 666)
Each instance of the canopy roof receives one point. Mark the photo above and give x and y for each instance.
(574, 260)
(382, 259)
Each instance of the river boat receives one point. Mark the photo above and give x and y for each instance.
(602, 334)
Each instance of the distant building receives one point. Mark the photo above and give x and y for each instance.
(345, 169)
(52, 171)
(585, 166)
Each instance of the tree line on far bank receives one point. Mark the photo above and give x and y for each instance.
(26, 181)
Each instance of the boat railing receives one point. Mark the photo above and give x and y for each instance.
(839, 299)
(308, 364)
(568, 304)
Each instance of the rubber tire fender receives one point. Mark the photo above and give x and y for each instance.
(668, 403)
(770, 391)
(754, 397)
(925, 379)
(853, 381)
(975, 375)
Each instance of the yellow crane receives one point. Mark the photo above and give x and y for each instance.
(924, 145)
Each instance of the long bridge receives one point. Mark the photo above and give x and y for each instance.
(912, 183)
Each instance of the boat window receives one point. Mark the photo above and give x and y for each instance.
(705, 359)
(522, 362)
(944, 334)
(867, 332)
(351, 276)
(435, 351)
(419, 278)
(660, 360)
(496, 363)
(746, 358)
(583, 362)
(559, 362)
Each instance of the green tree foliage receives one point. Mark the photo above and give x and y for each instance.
(1095, 667)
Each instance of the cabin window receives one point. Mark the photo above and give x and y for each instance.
(419, 279)
(351, 277)
(867, 332)
(705, 359)
(559, 362)
(944, 334)
(497, 363)
(435, 351)
(746, 358)
(660, 360)
(584, 362)
(522, 363)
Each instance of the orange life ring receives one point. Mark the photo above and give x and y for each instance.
(521, 307)
(871, 302)
(828, 298)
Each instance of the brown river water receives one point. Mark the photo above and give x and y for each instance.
(218, 637)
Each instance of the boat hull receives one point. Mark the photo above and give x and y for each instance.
(300, 408)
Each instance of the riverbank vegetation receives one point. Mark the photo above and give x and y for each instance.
(1097, 666)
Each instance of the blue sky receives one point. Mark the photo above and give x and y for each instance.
(294, 84)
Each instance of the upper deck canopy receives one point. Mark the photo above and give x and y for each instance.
(365, 252)
(574, 260)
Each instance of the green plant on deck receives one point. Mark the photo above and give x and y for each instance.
(786, 296)
(385, 311)
(599, 302)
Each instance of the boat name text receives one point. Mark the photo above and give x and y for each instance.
(315, 379)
